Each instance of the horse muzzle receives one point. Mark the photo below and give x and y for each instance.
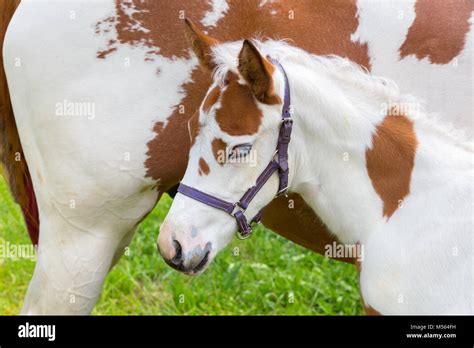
(189, 259)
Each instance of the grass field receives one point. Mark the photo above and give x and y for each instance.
(268, 276)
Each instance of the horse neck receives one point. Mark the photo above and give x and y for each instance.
(333, 128)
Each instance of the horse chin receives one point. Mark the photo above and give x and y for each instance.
(202, 266)
(195, 273)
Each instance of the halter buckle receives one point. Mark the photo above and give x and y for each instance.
(243, 235)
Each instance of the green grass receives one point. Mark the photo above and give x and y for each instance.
(268, 276)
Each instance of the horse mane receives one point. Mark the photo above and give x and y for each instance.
(225, 56)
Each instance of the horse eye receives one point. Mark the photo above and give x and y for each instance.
(240, 151)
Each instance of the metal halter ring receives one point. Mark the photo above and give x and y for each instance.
(242, 236)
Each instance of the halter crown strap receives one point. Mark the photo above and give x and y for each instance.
(285, 133)
(237, 209)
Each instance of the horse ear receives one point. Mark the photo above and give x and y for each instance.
(257, 71)
(201, 44)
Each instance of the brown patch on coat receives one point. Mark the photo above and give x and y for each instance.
(258, 72)
(439, 30)
(168, 152)
(391, 159)
(163, 19)
(293, 219)
(219, 149)
(15, 171)
(317, 26)
(203, 167)
(103, 54)
(211, 98)
(238, 113)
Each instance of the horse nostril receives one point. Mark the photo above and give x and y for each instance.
(179, 252)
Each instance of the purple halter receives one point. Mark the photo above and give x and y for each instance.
(237, 209)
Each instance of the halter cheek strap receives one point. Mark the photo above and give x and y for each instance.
(280, 164)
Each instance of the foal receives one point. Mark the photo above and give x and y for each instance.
(370, 163)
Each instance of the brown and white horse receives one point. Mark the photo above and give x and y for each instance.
(103, 95)
(394, 181)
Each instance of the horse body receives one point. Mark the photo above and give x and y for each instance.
(87, 169)
(103, 94)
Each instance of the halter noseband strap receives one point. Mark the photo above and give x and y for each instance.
(237, 209)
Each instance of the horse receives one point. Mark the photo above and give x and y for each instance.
(97, 113)
(396, 181)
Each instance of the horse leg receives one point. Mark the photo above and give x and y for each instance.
(120, 250)
(74, 258)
